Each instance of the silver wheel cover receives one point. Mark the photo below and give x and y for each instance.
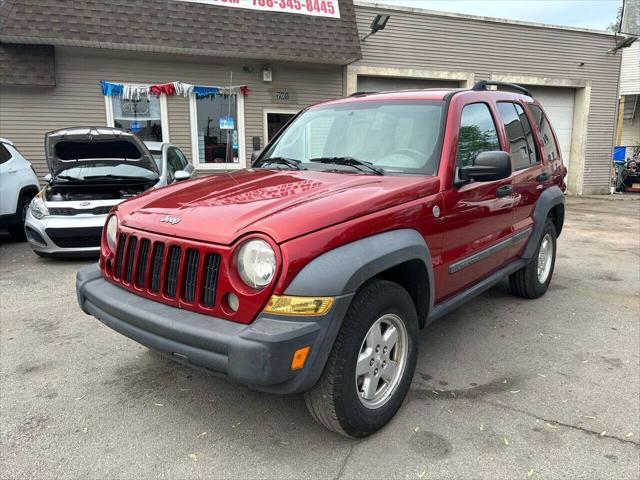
(545, 258)
(381, 361)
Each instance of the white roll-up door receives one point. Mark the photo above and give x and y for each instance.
(558, 103)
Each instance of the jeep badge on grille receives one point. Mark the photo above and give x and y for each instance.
(170, 219)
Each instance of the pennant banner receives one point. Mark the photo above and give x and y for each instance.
(135, 92)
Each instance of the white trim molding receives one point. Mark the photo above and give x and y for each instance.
(164, 118)
(466, 79)
(582, 88)
(265, 124)
(195, 151)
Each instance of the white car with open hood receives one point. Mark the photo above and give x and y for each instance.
(91, 170)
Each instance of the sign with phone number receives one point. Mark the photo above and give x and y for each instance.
(317, 8)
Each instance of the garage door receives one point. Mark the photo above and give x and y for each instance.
(558, 103)
(385, 84)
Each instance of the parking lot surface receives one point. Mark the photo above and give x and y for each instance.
(504, 387)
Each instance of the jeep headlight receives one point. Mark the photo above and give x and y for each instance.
(256, 263)
(37, 207)
(110, 230)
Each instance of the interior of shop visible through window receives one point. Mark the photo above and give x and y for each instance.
(218, 129)
(140, 116)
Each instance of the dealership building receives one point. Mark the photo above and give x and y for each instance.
(218, 78)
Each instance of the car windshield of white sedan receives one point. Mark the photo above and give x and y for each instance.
(106, 170)
(393, 137)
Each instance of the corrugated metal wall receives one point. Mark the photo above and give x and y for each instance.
(437, 42)
(26, 114)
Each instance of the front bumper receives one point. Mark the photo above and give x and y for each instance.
(257, 355)
(71, 227)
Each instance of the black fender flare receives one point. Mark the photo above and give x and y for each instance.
(339, 273)
(345, 269)
(549, 199)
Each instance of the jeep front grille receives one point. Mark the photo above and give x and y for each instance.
(189, 274)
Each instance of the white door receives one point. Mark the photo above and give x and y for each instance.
(558, 103)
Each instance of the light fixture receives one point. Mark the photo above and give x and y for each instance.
(379, 22)
(267, 74)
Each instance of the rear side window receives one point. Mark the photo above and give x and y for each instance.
(549, 146)
(523, 151)
(5, 154)
(477, 134)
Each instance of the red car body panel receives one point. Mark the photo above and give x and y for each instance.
(306, 213)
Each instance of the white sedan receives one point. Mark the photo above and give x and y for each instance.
(91, 170)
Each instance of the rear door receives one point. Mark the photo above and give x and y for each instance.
(530, 174)
(478, 214)
(8, 184)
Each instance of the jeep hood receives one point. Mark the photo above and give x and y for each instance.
(282, 204)
(71, 147)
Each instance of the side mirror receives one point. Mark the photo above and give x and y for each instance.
(487, 167)
(47, 177)
(181, 175)
(254, 155)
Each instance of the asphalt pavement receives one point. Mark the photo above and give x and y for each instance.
(504, 388)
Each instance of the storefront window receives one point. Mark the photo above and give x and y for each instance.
(217, 129)
(141, 117)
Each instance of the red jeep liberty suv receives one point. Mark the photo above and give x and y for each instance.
(363, 220)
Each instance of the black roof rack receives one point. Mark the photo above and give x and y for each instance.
(483, 84)
(361, 94)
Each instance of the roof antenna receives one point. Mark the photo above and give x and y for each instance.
(379, 22)
(226, 150)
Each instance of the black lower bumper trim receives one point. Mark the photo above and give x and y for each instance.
(257, 355)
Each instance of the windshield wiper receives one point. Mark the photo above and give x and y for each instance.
(289, 162)
(351, 162)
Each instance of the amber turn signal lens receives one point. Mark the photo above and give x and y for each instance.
(286, 305)
(299, 357)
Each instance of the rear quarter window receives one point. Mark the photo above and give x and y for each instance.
(549, 146)
(5, 154)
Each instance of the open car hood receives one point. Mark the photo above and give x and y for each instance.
(71, 147)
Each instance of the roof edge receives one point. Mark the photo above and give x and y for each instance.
(24, 40)
(464, 16)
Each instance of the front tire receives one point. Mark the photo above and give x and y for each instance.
(369, 371)
(532, 280)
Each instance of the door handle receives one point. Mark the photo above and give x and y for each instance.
(504, 191)
(543, 177)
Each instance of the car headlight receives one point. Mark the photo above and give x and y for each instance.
(37, 207)
(256, 263)
(110, 230)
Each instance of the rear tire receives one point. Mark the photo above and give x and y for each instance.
(17, 231)
(532, 280)
(370, 369)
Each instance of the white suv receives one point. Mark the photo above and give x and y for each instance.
(18, 185)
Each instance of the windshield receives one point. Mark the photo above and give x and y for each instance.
(397, 137)
(98, 169)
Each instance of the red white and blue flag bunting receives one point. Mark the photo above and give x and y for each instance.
(135, 92)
